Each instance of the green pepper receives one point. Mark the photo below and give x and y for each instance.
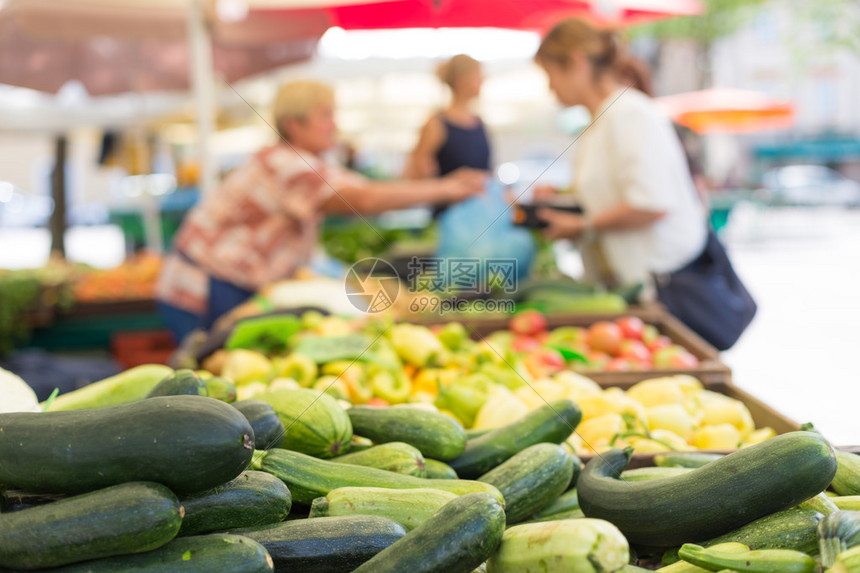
(465, 396)
(453, 335)
(311, 319)
(417, 345)
(504, 374)
(298, 367)
(265, 333)
(393, 387)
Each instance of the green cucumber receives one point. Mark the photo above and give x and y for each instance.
(820, 503)
(408, 507)
(268, 429)
(565, 502)
(220, 389)
(847, 478)
(325, 544)
(251, 499)
(532, 479)
(847, 502)
(456, 539)
(685, 459)
(397, 457)
(435, 435)
(758, 561)
(309, 478)
(314, 423)
(129, 386)
(180, 383)
(675, 565)
(126, 518)
(560, 547)
(567, 514)
(188, 443)
(213, 553)
(438, 470)
(552, 423)
(741, 487)
(645, 474)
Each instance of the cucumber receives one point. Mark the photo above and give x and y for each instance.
(268, 429)
(251, 499)
(325, 544)
(314, 423)
(645, 474)
(182, 382)
(567, 501)
(795, 529)
(531, 480)
(758, 561)
(820, 503)
(435, 435)
(847, 502)
(129, 386)
(188, 443)
(456, 539)
(438, 470)
(568, 514)
(309, 478)
(127, 518)
(712, 500)
(397, 457)
(685, 459)
(847, 478)
(674, 564)
(552, 423)
(560, 547)
(408, 507)
(220, 389)
(213, 553)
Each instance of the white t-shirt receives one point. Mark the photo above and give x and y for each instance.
(631, 154)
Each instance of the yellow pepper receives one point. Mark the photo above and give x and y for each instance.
(672, 417)
(576, 385)
(429, 379)
(760, 435)
(244, 366)
(657, 391)
(249, 390)
(674, 440)
(539, 393)
(595, 429)
(717, 437)
(334, 326)
(334, 386)
(720, 409)
(500, 409)
(417, 345)
(353, 375)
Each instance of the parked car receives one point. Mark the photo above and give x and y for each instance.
(811, 185)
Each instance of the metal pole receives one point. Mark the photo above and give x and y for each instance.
(203, 83)
(57, 222)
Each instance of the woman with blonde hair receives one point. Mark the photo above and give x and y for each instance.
(454, 137)
(642, 221)
(261, 224)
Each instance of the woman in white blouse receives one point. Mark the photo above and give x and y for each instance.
(642, 216)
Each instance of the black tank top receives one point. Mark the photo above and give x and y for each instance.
(463, 147)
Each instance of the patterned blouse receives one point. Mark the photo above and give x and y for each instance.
(258, 227)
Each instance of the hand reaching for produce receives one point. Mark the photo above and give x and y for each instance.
(463, 183)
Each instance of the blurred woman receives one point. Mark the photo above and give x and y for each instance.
(261, 224)
(642, 216)
(454, 137)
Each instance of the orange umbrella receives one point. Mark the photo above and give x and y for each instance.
(728, 110)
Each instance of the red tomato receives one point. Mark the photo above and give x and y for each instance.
(605, 337)
(659, 343)
(525, 344)
(618, 365)
(634, 350)
(631, 327)
(528, 322)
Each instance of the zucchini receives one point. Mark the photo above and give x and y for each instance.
(438, 470)
(753, 482)
(678, 566)
(532, 479)
(127, 518)
(565, 502)
(847, 478)
(397, 457)
(251, 499)
(129, 386)
(560, 547)
(314, 423)
(757, 561)
(188, 443)
(220, 389)
(268, 429)
(408, 507)
(567, 514)
(685, 459)
(820, 503)
(213, 553)
(456, 539)
(551, 423)
(849, 502)
(838, 532)
(645, 474)
(435, 435)
(795, 529)
(847, 562)
(325, 544)
(309, 478)
(577, 469)
(180, 383)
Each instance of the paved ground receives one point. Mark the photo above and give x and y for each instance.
(802, 352)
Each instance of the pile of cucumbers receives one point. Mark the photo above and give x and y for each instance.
(177, 480)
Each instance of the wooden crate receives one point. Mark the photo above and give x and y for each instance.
(762, 414)
(710, 370)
